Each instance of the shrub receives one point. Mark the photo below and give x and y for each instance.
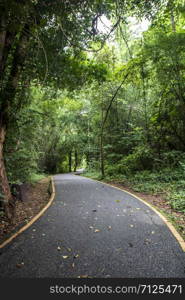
(177, 200)
(140, 159)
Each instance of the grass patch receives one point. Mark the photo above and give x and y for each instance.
(92, 174)
(34, 178)
(174, 220)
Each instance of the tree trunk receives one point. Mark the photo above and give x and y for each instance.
(87, 159)
(2, 39)
(8, 203)
(172, 17)
(70, 161)
(6, 45)
(7, 99)
(76, 160)
(103, 121)
(102, 165)
(102, 156)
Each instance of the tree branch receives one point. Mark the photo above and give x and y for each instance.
(112, 100)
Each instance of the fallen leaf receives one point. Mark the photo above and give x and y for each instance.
(20, 265)
(153, 232)
(138, 208)
(117, 201)
(97, 230)
(118, 249)
(58, 248)
(109, 227)
(34, 230)
(65, 256)
(91, 227)
(76, 256)
(69, 249)
(147, 241)
(131, 225)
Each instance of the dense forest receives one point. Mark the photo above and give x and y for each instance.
(82, 87)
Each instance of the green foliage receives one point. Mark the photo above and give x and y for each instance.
(113, 170)
(121, 107)
(34, 177)
(177, 200)
(140, 159)
(93, 174)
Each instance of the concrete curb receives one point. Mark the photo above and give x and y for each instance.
(34, 219)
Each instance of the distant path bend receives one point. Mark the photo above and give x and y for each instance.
(94, 230)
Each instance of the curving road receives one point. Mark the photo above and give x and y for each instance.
(94, 230)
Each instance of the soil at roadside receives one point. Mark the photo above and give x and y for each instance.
(34, 198)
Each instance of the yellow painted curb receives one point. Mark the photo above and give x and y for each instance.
(32, 220)
(169, 225)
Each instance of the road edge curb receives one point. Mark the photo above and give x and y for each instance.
(34, 219)
(168, 223)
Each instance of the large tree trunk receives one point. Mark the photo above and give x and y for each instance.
(7, 96)
(7, 39)
(2, 39)
(8, 203)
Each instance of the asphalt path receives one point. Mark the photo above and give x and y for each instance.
(94, 230)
